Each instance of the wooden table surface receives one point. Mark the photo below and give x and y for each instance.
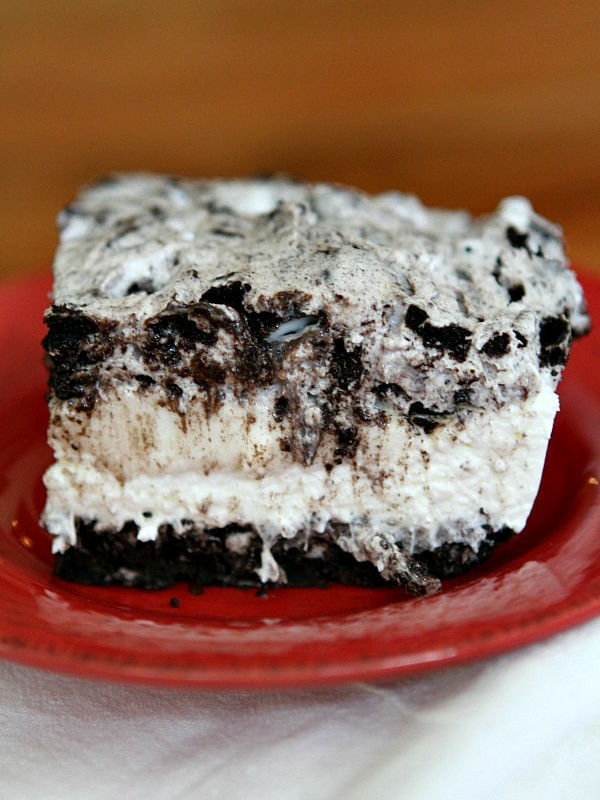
(458, 102)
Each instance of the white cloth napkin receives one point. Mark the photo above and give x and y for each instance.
(524, 726)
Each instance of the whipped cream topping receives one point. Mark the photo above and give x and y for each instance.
(136, 246)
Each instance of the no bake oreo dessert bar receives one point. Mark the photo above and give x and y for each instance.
(266, 381)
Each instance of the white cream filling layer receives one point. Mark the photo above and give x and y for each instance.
(136, 461)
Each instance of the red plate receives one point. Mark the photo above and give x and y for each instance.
(541, 582)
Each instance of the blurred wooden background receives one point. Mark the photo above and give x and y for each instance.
(459, 102)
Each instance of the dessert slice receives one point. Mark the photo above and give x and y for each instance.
(269, 382)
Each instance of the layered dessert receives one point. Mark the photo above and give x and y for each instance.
(261, 382)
